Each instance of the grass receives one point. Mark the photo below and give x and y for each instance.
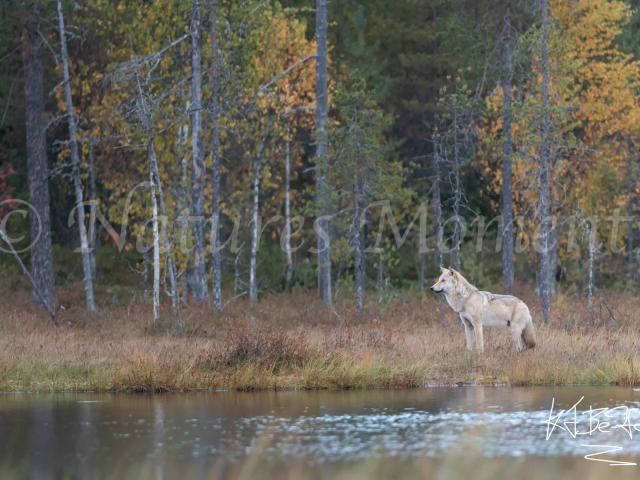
(293, 342)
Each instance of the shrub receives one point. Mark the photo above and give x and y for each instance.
(262, 345)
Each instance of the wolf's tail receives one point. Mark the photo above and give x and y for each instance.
(529, 334)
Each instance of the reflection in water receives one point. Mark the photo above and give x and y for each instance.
(88, 433)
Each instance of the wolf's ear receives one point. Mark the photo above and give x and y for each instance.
(452, 272)
(443, 269)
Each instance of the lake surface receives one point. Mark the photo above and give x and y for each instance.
(81, 435)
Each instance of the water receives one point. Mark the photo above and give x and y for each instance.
(46, 435)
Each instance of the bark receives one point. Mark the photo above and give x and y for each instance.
(287, 211)
(591, 252)
(457, 194)
(630, 207)
(630, 237)
(197, 159)
(40, 224)
(93, 233)
(236, 277)
(544, 171)
(216, 268)
(154, 175)
(437, 205)
(553, 258)
(422, 265)
(175, 293)
(255, 229)
(324, 253)
(75, 160)
(145, 275)
(381, 279)
(253, 283)
(40, 294)
(156, 242)
(507, 174)
(359, 264)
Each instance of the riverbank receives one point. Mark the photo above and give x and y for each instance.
(292, 342)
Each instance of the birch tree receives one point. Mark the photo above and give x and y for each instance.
(632, 175)
(359, 167)
(287, 209)
(142, 104)
(145, 112)
(216, 268)
(75, 166)
(324, 251)
(437, 207)
(507, 175)
(155, 236)
(93, 197)
(197, 158)
(544, 169)
(588, 227)
(256, 224)
(454, 146)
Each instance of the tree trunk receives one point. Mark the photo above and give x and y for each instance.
(156, 240)
(40, 224)
(630, 237)
(544, 171)
(507, 177)
(253, 283)
(630, 206)
(154, 175)
(591, 252)
(145, 274)
(381, 279)
(216, 269)
(422, 265)
(93, 233)
(437, 205)
(359, 264)
(197, 159)
(457, 193)
(75, 160)
(287, 211)
(175, 293)
(554, 236)
(324, 253)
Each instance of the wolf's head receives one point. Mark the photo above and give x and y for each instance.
(447, 282)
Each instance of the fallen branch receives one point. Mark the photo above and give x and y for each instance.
(26, 272)
(602, 300)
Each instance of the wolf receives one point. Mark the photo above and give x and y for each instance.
(483, 309)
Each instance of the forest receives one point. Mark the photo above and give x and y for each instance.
(258, 194)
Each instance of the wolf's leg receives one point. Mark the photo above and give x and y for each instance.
(468, 330)
(477, 329)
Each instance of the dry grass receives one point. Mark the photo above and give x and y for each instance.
(293, 342)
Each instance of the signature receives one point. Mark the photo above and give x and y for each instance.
(601, 420)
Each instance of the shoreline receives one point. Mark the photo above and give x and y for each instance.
(318, 389)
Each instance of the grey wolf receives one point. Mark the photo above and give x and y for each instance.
(483, 309)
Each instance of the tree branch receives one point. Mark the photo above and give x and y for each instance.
(280, 75)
